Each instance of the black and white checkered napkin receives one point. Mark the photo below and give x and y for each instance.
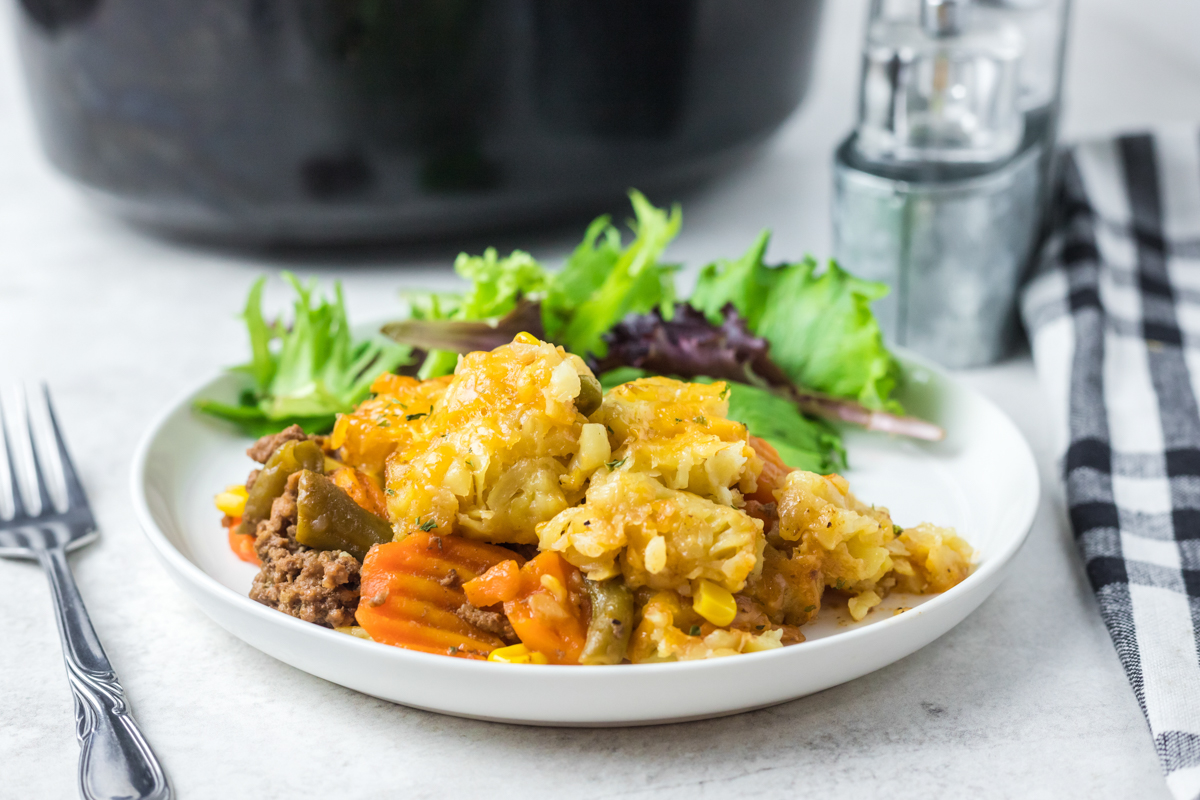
(1114, 318)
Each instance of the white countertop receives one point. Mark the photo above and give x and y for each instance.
(1025, 698)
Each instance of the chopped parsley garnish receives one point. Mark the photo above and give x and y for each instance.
(390, 492)
(614, 464)
(700, 421)
(411, 417)
(841, 584)
(809, 609)
(427, 525)
(695, 631)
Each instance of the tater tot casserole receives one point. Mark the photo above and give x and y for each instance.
(514, 512)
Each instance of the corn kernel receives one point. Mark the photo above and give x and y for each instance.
(655, 558)
(232, 501)
(714, 603)
(517, 654)
(526, 338)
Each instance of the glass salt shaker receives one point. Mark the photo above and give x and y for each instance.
(940, 189)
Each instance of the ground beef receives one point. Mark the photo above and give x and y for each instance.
(320, 586)
(525, 551)
(768, 513)
(492, 622)
(262, 450)
(789, 587)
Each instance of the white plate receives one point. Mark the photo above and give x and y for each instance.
(981, 480)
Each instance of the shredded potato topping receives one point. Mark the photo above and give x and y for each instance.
(654, 502)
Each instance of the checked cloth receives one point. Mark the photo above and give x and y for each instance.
(1113, 315)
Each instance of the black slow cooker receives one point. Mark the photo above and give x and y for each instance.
(341, 120)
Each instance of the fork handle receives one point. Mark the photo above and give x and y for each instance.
(115, 761)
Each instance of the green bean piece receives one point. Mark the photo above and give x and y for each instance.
(612, 622)
(289, 458)
(590, 395)
(328, 519)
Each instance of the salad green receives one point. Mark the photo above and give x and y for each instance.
(601, 283)
(309, 373)
(497, 284)
(802, 442)
(820, 326)
(798, 344)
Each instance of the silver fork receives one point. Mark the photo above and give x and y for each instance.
(115, 761)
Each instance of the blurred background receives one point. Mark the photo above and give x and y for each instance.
(380, 139)
(367, 135)
(263, 123)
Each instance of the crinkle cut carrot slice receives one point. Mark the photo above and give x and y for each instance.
(551, 611)
(499, 584)
(242, 544)
(412, 589)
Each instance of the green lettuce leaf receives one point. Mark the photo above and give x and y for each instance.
(802, 442)
(823, 334)
(582, 274)
(496, 286)
(820, 326)
(498, 283)
(746, 282)
(309, 373)
(601, 282)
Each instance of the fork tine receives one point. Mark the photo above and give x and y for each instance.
(14, 484)
(75, 495)
(39, 474)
